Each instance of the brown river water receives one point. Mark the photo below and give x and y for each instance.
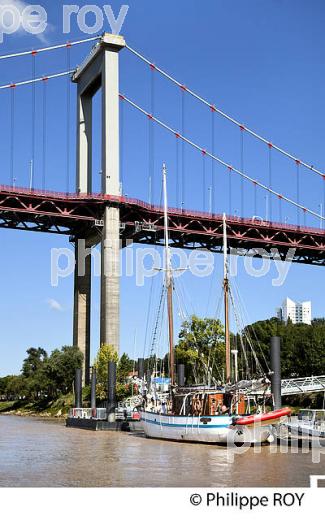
(36, 452)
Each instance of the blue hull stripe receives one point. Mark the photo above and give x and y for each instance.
(189, 426)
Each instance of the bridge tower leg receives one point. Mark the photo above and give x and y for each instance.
(82, 308)
(100, 70)
(82, 278)
(110, 265)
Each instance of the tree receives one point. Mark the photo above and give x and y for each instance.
(34, 361)
(105, 354)
(124, 387)
(302, 345)
(201, 348)
(12, 387)
(124, 367)
(61, 367)
(3, 386)
(34, 373)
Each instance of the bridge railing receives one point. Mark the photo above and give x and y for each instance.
(255, 220)
(303, 385)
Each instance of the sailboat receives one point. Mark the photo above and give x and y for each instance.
(207, 414)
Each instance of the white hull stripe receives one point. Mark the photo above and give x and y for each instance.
(184, 425)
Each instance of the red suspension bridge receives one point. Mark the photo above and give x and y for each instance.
(81, 215)
(82, 212)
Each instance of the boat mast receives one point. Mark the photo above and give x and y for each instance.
(169, 282)
(226, 299)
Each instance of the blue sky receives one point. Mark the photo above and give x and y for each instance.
(260, 61)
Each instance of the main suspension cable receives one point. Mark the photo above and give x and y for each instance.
(37, 80)
(46, 49)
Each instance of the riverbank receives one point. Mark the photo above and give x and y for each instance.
(57, 408)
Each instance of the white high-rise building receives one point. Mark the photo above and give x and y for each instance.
(296, 311)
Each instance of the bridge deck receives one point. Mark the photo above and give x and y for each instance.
(81, 215)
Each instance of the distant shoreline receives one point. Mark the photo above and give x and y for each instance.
(33, 415)
(48, 410)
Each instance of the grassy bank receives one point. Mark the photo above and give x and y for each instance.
(45, 408)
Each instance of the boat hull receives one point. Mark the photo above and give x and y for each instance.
(207, 429)
(303, 429)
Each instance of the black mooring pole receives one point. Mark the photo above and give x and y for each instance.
(276, 369)
(93, 392)
(78, 388)
(111, 394)
(181, 375)
(148, 378)
(140, 368)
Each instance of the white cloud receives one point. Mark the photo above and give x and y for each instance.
(17, 3)
(54, 305)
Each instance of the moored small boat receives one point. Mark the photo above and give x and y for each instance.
(308, 423)
(263, 419)
(204, 429)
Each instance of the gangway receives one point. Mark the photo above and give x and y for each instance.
(303, 385)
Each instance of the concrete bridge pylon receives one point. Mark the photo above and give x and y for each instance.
(99, 70)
